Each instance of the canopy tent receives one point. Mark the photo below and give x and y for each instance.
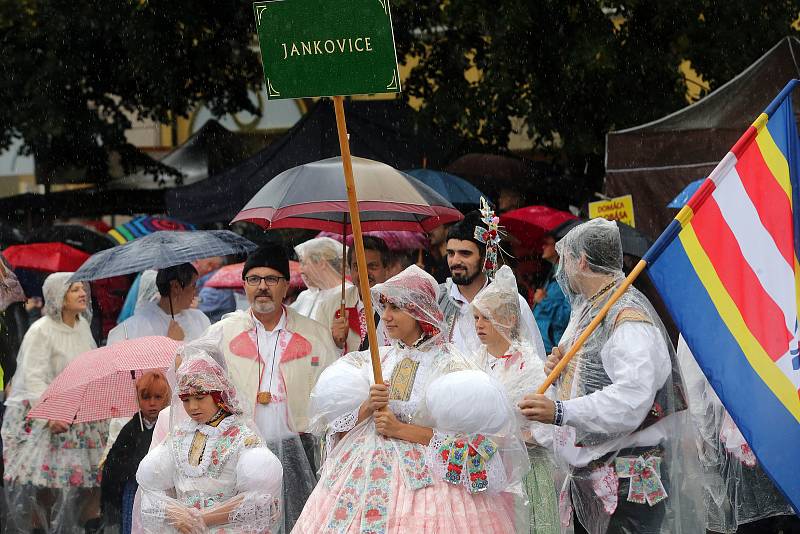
(210, 150)
(380, 130)
(656, 161)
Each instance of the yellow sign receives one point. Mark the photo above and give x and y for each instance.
(614, 209)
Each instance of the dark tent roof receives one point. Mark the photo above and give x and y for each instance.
(655, 161)
(210, 150)
(381, 130)
(32, 208)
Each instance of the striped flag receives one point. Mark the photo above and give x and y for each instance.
(727, 269)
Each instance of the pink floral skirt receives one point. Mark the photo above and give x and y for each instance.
(379, 486)
(34, 455)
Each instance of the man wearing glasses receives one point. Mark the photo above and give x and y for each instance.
(274, 357)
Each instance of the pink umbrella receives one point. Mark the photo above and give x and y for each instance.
(99, 384)
(230, 277)
(395, 240)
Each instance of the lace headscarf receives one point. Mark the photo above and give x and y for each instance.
(321, 261)
(415, 292)
(54, 290)
(202, 371)
(499, 303)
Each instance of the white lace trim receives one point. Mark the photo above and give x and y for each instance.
(181, 448)
(495, 472)
(153, 513)
(256, 514)
(343, 423)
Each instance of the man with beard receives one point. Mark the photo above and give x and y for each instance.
(378, 259)
(466, 257)
(274, 357)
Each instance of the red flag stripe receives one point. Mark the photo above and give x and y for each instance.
(769, 199)
(759, 311)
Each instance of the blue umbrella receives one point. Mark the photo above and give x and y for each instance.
(458, 191)
(683, 197)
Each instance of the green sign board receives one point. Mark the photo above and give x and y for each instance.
(326, 47)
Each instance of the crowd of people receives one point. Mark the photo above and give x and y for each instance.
(269, 420)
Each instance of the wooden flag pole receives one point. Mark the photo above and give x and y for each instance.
(592, 326)
(355, 222)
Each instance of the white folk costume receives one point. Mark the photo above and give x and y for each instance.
(521, 371)
(275, 372)
(150, 320)
(34, 457)
(464, 480)
(322, 264)
(737, 490)
(220, 466)
(621, 409)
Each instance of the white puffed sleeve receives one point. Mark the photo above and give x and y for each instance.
(156, 475)
(338, 395)
(475, 442)
(259, 483)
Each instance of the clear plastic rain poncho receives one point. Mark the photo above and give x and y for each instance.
(321, 264)
(521, 371)
(463, 480)
(737, 490)
(51, 479)
(625, 426)
(217, 475)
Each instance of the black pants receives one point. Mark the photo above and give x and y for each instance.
(781, 524)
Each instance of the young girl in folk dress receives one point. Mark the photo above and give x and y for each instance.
(433, 450)
(213, 473)
(507, 354)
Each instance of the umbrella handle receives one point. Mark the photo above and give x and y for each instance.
(172, 313)
(136, 392)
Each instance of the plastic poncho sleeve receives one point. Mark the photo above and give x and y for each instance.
(637, 361)
(34, 361)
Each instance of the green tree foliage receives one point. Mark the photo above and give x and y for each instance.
(74, 74)
(572, 69)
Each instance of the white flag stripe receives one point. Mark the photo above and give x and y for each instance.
(757, 245)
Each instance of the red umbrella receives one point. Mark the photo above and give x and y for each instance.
(230, 277)
(99, 384)
(47, 257)
(529, 224)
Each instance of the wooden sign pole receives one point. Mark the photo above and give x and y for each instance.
(355, 222)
